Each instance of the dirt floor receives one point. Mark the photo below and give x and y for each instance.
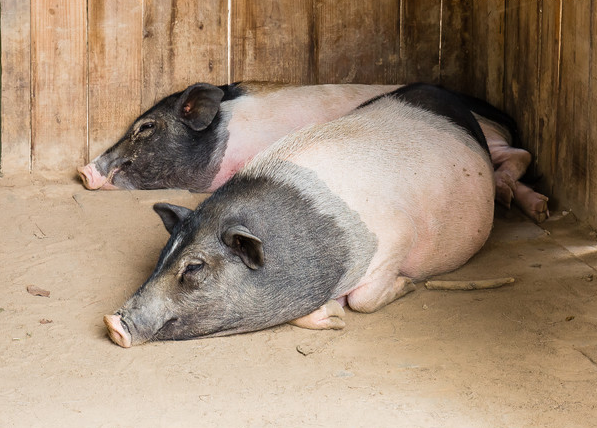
(524, 355)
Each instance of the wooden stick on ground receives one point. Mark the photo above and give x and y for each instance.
(483, 284)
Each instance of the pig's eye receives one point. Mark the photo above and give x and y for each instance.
(192, 268)
(145, 127)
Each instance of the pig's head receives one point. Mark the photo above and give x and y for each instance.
(229, 268)
(194, 290)
(172, 145)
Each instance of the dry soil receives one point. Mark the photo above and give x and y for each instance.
(524, 355)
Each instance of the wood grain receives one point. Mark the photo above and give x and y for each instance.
(358, 42)
(59, 80)
(184, 42)
(419, 49)
(522, 70)
(591, 205)
(115, 33)
(456, 54)
(572, 161)
(547, 107)
(273, 40)
(488, 50)
(16, 87)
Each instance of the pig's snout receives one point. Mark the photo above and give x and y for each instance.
(118, 333)
(91, 177)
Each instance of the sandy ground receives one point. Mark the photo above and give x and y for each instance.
(524, 355)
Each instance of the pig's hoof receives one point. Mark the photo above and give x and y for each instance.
(533, 204)
(329, 316)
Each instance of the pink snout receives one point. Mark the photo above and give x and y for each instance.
(116, 331)
(92, 179)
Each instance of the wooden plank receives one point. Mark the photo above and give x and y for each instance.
(488, 44)
(273, 40)
(591, 206)
(184, 42)
(358, 42)
(59, 75)
(16, 87)
(572, 160)
(419, 48)
(522, 70)
(495, 36)
(456, 54)
(115, 34)
(547, 107)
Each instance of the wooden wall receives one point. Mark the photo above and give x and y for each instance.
(75, 73)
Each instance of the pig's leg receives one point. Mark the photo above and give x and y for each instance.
(533, 204)
(377, 293)
(510, 164)
(329, 316)
(383, 283)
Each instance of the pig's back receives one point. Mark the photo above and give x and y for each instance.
(388, 161)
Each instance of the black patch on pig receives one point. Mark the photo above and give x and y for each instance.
(440, 102)
(483, 108)
(171, 154)
(305, 253)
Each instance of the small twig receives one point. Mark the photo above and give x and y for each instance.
(77, 201)
(587, 356)
(37, 235)
(483, 284)
(92, 303)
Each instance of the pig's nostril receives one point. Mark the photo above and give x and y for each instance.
(83, 174)
(91, 177)
(118, 330)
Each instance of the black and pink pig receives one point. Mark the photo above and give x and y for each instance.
(197, 139)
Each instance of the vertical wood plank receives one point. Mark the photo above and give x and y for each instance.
(522, 69)
(495, 36)
(591, 207)
(572, 169)
(16, 87)
(273, 40)
(184, 42)
(115, 34)
(420, 49)
(547, 107)
(456, 55)
(488, 35)
(358, 42)
(59, 73)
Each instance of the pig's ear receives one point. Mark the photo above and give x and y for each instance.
(171, 214)
(245, 245)
(198, 105)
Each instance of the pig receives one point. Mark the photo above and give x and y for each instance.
(197, 139)
(345, 213)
